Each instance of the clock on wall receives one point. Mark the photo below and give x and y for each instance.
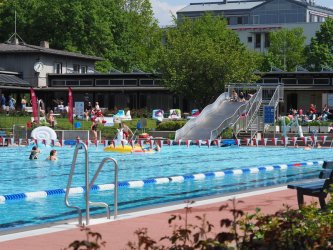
(38, 66)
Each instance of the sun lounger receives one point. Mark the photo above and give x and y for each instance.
(158, 114)
(175, 114)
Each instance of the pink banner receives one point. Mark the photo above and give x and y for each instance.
(70, 105)
(34, 105)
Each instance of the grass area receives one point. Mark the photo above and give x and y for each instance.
(7, 123)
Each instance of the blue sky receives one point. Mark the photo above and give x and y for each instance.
(164, 9)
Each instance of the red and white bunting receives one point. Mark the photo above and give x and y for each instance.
(132, 143)
(87, 142)
(248, 140)
(188, 142)
(20, 142)
(274, 140)
(238, 142)
(294, 140)
(12, 141)
(179, 142)
(36, 142)
(52, 143)
(305, 140)
(323, 139)
(314, 139)
(105, 143)
(60, 142)
(44, 142)
(96, 143)
(265, 141)
(198, 142)
(122, 143)
(160, 143)
(286, 141)
(218, 143)
(208, 142)
(256, 141)
(151, 143)
(170, 142)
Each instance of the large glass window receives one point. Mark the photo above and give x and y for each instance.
(289, 81)
(267, 42)
(72, 83)
(83, 69)
(86, 82)
(258, 41)
(58, 83)
(321, 81)
(76, 68)
(58, 68)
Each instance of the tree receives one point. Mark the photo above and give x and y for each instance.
(320, 51)
(286, 49)
(124, 32)
(201, 56)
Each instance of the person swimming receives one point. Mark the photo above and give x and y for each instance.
(34, 153)
(53, 155)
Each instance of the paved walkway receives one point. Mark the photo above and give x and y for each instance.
(118, 233)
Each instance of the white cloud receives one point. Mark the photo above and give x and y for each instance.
(163, 11)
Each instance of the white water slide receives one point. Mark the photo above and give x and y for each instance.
(217, 116)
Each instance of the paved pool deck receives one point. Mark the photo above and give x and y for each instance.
(118, 233)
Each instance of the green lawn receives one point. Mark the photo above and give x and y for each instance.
(7, 122)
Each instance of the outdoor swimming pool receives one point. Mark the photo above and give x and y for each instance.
(20, 175)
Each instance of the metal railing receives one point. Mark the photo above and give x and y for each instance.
(70, 178)
(88, 185)
(251, 113)
(180, 133)
(102, 204)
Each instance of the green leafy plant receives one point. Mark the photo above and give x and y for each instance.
(170, 125)
(93, 241)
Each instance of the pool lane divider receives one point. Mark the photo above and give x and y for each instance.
(161, 180)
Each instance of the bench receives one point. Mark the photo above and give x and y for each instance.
(318, 188)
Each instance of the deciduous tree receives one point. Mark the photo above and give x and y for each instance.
(201, 56)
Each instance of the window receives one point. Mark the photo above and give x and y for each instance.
(267, 42)
(321, 81)
(255, 19)
(116, 82)
(228, 20)
(83, 69)
(58, 68)
(289, 81)
(72, 83)
(130, 82)
(239, 20)
(249, 39)
(147, 82)
(76, 68)
(102, 82)
(86, 82)
(258, 41)
(58, 83)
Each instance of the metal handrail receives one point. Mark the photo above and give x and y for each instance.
(206, 111)
(70, 178)
(102, 204)
(253, 107)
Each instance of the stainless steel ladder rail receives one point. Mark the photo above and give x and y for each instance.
(70, 178)
(102, 204)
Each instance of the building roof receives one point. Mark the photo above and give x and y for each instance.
(243, 5)
(220, 6)
(6, 48)
(12, 80)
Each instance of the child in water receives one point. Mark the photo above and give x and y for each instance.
(34, 153)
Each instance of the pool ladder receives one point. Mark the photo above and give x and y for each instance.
(88, 185)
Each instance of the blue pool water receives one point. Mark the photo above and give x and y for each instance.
(20, 175)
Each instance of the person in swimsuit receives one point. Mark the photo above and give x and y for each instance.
(34, 153)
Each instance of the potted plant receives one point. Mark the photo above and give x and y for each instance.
(314, 126)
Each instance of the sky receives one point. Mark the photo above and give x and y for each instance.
(164, 9)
